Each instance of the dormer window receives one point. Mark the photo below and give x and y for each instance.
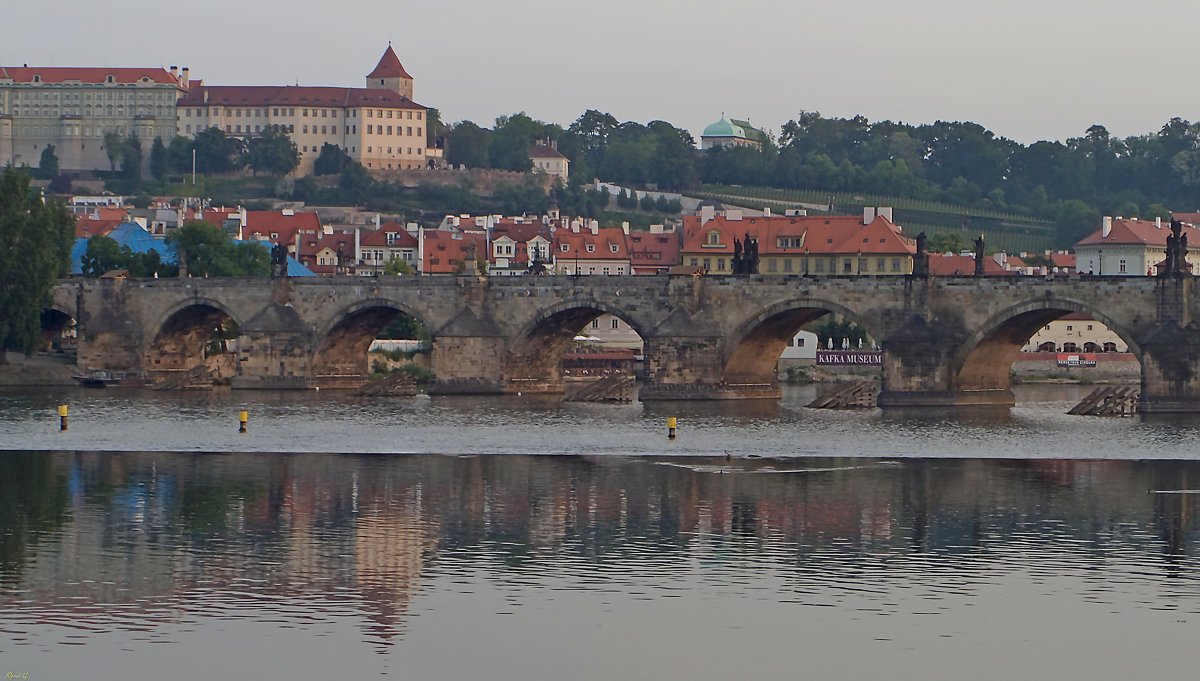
(110, 79)
(714, 238)
(591, 248)
(613, 248)
(37, 79)
(565, 248)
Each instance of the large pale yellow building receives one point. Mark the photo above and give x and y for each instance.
(73, 107)
(379, 125)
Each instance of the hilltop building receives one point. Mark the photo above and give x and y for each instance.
(728, 132)
(73, 107)
(379, 125)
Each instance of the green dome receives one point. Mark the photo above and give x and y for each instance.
(724, 128)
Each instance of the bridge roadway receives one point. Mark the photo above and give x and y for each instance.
(945, 340)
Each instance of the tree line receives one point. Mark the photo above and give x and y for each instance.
(1070, 182)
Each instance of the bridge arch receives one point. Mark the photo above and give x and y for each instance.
(754, 347)
(193, 333)
(984, 360)
(344, 340)
(533, 357)
(58, 328)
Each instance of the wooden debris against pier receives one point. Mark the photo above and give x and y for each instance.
(855, 395)
(1109, 401)
(615, 388)
(395, 384)
(199, 377)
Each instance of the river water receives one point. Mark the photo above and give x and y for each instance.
(346, 538)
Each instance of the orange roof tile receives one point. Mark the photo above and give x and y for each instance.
(294, 95)
(1137, 232)
(389, 66)
(444, 250)
(607, 244)
(86, 74)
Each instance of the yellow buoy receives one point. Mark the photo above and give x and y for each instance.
(243, 417)
(62, 417)
(672, 422)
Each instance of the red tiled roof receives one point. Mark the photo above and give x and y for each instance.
(443, 251)
(379, 237)
(1137, 232)
(841, 234)
(649, 253)
(86, 227)
(389, 66)
(602, 244)
(86, 74)
(261, 224)
(543, 151)
(1191, 218)
(1061, 260)
(294, 95)
(942, 265)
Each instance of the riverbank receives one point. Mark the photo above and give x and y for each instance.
(21, 371)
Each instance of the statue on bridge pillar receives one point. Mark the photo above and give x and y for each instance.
(1176, 262)
(979, 256)
(921, 258)
(751, 257)
(279, 262)
(736, 265)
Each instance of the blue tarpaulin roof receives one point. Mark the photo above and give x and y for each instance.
(139, 240)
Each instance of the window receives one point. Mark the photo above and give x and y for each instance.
(613, 248)
(616, 323)
(369, 129)
(787, 265)
(591, 248)
(820, 264)
(895, 264)
(772, 265)
(1089, 327)
(880, 264)
(720, 264)
(564, 248)
(595, 323)
(1070, 327)
(714, 238)
(1122, 265)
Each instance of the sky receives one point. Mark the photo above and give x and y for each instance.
(1026, 69)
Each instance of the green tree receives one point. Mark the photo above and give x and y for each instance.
(179, 154)
(35, 249)
(114, 149)
(158, 159)
(468, 145)
(131, 159)
(397, 267)
(331, 160)
(103, 254)
(207, 252)
(647, 202)
(273, 151)
(48, 164)
(355, 180)
(215, 152)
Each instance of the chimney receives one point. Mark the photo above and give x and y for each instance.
(886, 212)
(733, 215)
(707, 213)
(206, 96)
(183, 77)
(174, 71)
(575, 225)
(625, 227)
(358, 243)
(1158, 223)
(766, 211)
(868, 215)
(1107, 227)
(594, 227)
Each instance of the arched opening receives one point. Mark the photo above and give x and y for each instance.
(1005, 346)
(195, 347)
(58, 333)
(572, 350)
(790, 341)
(374, 340)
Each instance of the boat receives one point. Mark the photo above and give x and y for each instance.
(96, 378)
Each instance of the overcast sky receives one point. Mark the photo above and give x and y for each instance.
(1026, 69)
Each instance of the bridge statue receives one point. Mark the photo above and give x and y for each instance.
(921, 258)
(1175, 264)
(979, 256)
(279, 269)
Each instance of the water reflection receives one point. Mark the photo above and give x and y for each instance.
(150, 546)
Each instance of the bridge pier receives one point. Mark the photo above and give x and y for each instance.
(692, 368)
(1171, 371)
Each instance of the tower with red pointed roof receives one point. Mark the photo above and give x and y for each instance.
(389, 74)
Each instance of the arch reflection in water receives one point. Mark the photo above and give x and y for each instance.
(122, 549)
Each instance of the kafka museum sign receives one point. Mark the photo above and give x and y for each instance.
(849, 357)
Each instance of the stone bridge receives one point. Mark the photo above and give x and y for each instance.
(945, 340)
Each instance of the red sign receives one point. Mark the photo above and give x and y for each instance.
(1077, 359)
(849, 358)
